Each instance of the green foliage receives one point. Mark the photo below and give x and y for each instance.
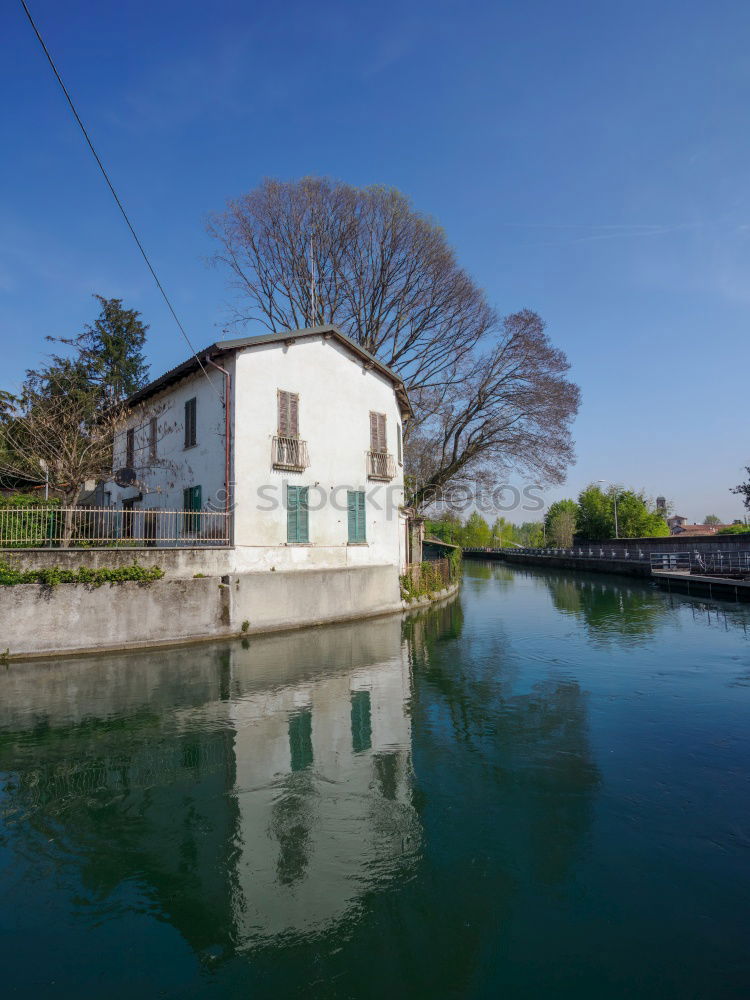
(743, 489)
(560, 507)
(712, 519)
(477, 533)
(10, 576)
(595, 518)
(32, 521)
(427, 581)
(9, 500)
(109, 352)
(560, 523)
(64, 419)
(454, 560)
(735, 529)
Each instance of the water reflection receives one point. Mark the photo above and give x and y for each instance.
(612, 609)
(250, 793)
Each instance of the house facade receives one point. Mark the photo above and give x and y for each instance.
(287, 446)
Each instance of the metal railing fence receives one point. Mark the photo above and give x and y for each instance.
(289, 453)
(113, 527)
(730, 564)
(380, 465)
(673, 562)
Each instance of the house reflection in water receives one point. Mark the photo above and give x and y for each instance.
(322, 781)
(251, 790)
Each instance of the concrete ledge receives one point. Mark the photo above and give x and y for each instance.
(438, 595)
(35, 620)
(71, 619)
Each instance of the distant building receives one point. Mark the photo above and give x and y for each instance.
(681, 527)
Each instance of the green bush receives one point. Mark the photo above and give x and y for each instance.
(428, 581)
(10, 576)
(33, 520)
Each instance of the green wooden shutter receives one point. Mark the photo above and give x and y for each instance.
(351, 506)
(297, 514)
(398, 444)
(361, 532)
(303, 515)
(192, 501)
(291, 514)
(356, 515)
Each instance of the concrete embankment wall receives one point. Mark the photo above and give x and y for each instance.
(36, 620)
(672, 543)
(587, 564)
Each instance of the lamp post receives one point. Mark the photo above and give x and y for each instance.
(45, 469)
(614, 495)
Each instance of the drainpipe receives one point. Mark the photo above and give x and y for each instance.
(227, 431)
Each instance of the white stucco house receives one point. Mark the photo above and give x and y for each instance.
(288, 447)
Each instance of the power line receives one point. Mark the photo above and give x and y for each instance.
(111, 187)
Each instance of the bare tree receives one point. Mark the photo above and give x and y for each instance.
(488, 393)
(510, 408)
(56, 432)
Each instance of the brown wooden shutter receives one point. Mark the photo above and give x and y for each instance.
(288, 414)
(377, 432)
(283, 414)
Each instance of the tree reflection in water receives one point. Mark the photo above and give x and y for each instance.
(612, 610)
(346, 800)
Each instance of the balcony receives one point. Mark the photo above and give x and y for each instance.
(289, 453)
(380, 465)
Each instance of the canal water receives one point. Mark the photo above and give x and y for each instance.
(540, 789)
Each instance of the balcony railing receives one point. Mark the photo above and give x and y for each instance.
(111, 527)
(289, 453)
(380, 465)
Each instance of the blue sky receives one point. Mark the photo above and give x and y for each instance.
(590, 161)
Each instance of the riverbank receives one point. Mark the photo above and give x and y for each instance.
(70, 619)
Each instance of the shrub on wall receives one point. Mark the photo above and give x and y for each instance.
(10, 576)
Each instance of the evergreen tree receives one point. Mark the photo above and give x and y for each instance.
(110, 351)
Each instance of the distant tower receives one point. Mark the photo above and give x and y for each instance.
(661, 505)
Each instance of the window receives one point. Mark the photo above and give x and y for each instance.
(191, 505)
(356, 511)
(399, 445)
(190, 421)
(152, 446)
(130, 449)
(377, 433)
(288, 414)
(297, 514)
(300, 740)
(361, 721)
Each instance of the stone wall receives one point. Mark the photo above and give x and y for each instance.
(36, 620)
